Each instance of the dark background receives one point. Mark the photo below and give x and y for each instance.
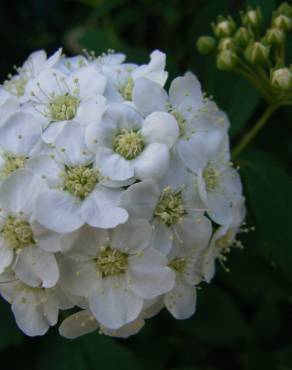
(244, 318)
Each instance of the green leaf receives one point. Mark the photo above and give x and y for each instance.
(89, 352)
(268, 187)
(218, 320)
(10, 335)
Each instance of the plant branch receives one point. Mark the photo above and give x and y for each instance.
(252, 133)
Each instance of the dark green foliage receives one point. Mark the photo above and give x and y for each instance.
(244, 318)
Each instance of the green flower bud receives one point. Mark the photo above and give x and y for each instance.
(275, 36)
(224, 27)
(257, 53)
(282, 79)
(243, 37)
(206, 45)
(226, 60)
(285, 9)
(226, 44)
(283, 22)
(252, 18)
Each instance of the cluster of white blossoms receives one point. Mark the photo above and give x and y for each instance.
(116, 195)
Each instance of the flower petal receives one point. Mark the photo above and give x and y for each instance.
(149, 275)
(114, 304)
(59, 211)
(152, 163)
(160, 127)
(181, 300)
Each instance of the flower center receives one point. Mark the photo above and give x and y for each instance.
(170, 209)
(126, 90)
(129, 144)
(178, 264)
(16, 85)
(181, 121)
(12, 164)
(225, 242)
(17, 233)
(111, 262)
(211, 177)
(80, 180)
(63, 108)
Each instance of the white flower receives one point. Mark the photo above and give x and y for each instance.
(181, 300)
(83, 322)
(218, 184)
(8, 105)
(25, 246)
(36, 62)
(128, 146)
(223, 240)
(175, 213)
(117, 272)
(19, 137)
(35, 309)
(186, 104)
(58, 99)
(122, 77)
(78, 192)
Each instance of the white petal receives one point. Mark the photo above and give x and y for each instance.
(89, 81)
(59, 211)
(140, 199)
(36, 267)
(101, 209)
(113, 165)
(149, 275)
(114, 304)
(160, 127)
(52, 131)
(19, 192)
(91, 110)
(125, 331)
(161, 238)
(71, 145)
(78, 324)
(194, 232)
(31, 321)
(47, 240)
(79, 278)
(6, 256)
(220, 207)
(149, 96)
(132, 236)
(154, 70)
(185, 93)
(181, 301)
(20, 133)
(152, 163)
(47, 167)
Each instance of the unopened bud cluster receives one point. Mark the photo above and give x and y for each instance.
(248, 46)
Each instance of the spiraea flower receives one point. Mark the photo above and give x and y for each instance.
(116, 197)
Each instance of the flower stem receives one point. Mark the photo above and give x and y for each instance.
(251, 134)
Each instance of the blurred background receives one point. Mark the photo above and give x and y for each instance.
(244, 318)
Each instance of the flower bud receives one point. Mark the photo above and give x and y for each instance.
(224, 27)
(243, 36)
(252, 18)
(275, 36)
(283, 22)
(226, 44)
(226, 60)
(282, 79)
(206, 45)
(257, 53)
(285, 9)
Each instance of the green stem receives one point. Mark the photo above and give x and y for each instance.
(252, 133)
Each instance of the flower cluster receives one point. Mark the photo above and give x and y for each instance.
(116, 196)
